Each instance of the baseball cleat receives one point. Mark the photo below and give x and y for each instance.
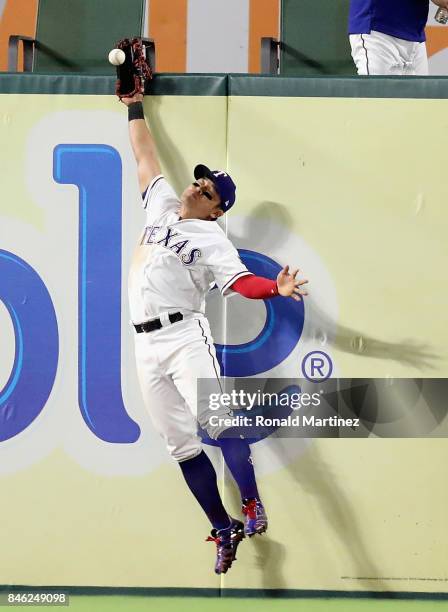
(227, 541)
(224, 550)
(255, 520)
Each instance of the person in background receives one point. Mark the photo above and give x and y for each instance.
(387, 37)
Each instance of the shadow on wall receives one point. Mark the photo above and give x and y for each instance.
(312, 473)
(347, 339)
(272, 237)
(315, 476)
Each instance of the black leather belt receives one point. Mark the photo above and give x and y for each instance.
(155, 324)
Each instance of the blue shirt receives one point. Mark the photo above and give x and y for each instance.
(400, 18)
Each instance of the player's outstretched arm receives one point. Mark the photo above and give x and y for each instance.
(260, 288)
(143, 145)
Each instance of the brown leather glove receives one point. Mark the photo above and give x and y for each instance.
(135, 70)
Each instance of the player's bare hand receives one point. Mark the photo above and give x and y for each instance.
(136, 98)
(289, 286)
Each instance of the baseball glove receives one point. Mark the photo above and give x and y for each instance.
(135, 70)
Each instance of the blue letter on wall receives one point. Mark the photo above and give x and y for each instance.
(96, 171)
(279, 336)
(36, 345)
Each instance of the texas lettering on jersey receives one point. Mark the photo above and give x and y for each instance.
(167, 237)
(178, 261)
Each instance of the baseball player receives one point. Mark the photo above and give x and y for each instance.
(182, 252)
(387, 37)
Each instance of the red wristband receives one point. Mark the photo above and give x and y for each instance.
(256, 287)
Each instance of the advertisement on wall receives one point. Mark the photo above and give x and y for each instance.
(90, 484)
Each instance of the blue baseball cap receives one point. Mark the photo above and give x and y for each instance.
(225, 187)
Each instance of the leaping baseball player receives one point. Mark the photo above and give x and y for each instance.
(182, 252)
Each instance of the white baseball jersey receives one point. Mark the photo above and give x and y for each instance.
(174, 266)
(178, 260)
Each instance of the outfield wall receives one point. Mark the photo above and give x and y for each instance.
(343, 177)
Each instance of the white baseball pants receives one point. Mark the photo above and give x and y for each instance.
(169, 362)
(380, 54)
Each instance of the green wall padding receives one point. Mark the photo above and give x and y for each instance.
(81, 84)
(233, 85)
(339, 87)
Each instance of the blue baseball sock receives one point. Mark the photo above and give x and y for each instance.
(200, 476)
(236, 453)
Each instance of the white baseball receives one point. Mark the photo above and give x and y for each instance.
(117, 57)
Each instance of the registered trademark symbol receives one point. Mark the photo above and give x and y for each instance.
(317, 366)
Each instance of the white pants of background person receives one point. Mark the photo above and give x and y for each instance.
(377, 53)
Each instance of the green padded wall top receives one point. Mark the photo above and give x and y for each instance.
(77, 35)
(234, 85)
(82, 84)
(339, 87)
